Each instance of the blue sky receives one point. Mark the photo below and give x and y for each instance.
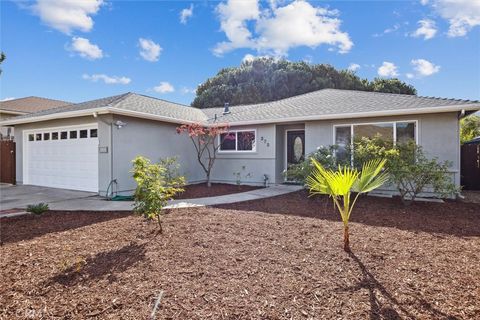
(89, 49)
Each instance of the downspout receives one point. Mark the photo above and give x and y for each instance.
(95, 115)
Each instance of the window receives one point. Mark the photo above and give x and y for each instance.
(83, 134)
(396, 132)
(46, 136)
(38, 137)
(63, 135)
(93, 133)
(238, 141)
(54, 135)
(73, 134)
(31, 137)
(405, 132)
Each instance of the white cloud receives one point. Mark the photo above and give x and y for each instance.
(353, 67)
(462, 15)
(186, 13)
(427, 29)
(149, 50)
(278, 29)
(424, 67)
(388, 69)
(8, 99)
(164, 87)
(107, 79)
(248, 58)
(85, 49)
(67, 15)
(186, 90)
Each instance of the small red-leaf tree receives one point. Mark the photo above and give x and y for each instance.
(207, 140)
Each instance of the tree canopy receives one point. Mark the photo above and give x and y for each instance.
(2, 57)
(469, 128)
(267, 79)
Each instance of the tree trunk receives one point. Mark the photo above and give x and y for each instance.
(346, 240)
(159, 224)
(209, 183)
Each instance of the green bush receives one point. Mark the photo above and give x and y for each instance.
(411, 171)
(156, 184)
(37, 209)
(323, 155)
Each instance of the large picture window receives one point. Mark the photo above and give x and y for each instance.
(238, 141)
(397, 132)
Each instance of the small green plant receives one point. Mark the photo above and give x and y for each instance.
(323, 155)
(156, 184)
(238, 176)
(37, 209)
(341, 183)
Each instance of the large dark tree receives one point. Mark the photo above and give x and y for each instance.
(266, 79)
(2, 57)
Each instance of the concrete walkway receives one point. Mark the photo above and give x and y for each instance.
(62, 200)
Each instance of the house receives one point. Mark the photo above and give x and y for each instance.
(87, 145)
(15, 107)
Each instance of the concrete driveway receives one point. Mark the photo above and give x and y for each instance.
(19, 197)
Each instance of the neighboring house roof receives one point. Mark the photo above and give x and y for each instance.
(317, 105)
(29, 105)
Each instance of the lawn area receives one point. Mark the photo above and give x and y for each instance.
(277, 258)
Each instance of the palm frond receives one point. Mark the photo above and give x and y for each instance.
(371, 176)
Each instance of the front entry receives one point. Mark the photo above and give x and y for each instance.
(295, 146)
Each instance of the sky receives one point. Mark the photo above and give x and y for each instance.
(79, 50)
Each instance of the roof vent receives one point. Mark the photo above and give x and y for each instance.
(226, 108)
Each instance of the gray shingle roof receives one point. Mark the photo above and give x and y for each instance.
(326, 102)
(130, 102)
(329, 102)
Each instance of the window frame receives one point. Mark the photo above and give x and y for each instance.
(254, 149)
(352, 137)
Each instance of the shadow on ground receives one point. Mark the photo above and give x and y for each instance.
(104, 265)
(30, 226)
(450, 218)
(383, 305)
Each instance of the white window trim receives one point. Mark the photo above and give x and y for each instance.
(394, 123)
(367, 123)
(236, 142)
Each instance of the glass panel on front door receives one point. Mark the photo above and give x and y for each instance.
(295, 146)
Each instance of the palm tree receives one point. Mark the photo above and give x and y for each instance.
(340, 184)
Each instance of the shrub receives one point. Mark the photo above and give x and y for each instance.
(411, 171)
(323, 155)
(37, 209)
(156, 184)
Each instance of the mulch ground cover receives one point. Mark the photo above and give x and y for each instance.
(277, 258)
(201, 190)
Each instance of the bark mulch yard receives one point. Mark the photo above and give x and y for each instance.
(277, 258)
(201, 190)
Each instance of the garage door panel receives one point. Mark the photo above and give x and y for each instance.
(67, 163)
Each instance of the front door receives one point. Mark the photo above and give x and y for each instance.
(295, 146)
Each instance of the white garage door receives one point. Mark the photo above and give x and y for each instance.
(62, 157)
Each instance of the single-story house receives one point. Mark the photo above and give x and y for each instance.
(85, 146)
(16, 107)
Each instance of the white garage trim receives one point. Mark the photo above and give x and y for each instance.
(59, 146)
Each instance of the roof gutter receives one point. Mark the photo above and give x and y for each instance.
(144, 115)
(17, 113)
(386, 113)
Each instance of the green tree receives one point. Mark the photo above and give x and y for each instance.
(2, 58)
(340, 185)
(469, 128)
(156, 184)
(267, 79)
